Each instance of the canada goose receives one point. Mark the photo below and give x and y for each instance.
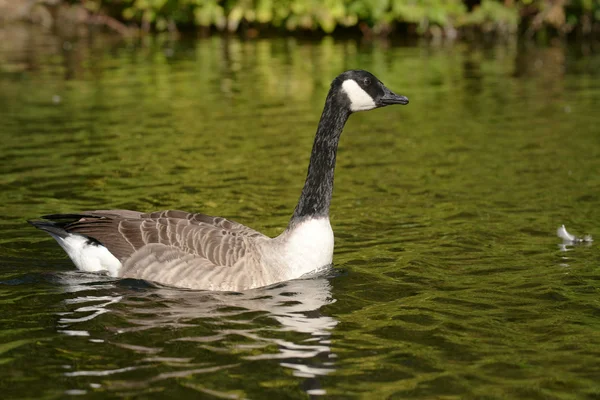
(198, 251)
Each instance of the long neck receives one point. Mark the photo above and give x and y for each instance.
(316, 195)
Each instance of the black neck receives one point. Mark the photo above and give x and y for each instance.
(318, 188)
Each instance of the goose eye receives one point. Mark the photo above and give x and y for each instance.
(367, 81)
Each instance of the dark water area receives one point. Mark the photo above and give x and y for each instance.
(449, 282)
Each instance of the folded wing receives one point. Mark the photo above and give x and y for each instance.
(210, 241)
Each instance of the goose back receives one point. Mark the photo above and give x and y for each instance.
(123, 232)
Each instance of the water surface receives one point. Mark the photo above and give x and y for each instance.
(449, 279)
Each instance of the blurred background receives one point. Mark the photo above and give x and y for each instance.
(449, 279)
(436, 18)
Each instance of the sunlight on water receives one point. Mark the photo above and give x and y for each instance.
(450, 280)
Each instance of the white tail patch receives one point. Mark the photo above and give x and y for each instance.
(89, 256)
(359, 99)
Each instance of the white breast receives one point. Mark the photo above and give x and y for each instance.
(308, 247)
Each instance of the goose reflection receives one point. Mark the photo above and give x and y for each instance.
(282, 322)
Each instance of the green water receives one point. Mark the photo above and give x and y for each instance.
(450, 281)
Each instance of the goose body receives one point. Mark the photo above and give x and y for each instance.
(198, 251)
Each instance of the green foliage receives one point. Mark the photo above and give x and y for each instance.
(291, 15)
(371, 16)
(493, 16)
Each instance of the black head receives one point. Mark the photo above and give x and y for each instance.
(363, 91)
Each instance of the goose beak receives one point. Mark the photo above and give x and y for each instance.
(390, 98)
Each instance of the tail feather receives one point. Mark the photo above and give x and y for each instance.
(70, 217)
(87, 253)
(58, 224)
(53, 228)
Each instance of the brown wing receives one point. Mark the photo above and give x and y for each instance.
(217, 240)
(219, 222)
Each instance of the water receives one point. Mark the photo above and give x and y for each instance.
(449, 283)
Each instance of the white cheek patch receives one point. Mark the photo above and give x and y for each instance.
(359, 99)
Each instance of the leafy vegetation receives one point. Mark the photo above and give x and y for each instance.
(372, 17)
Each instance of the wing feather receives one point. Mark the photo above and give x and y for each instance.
(209, 241)
(172, 266)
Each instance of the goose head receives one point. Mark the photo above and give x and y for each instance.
(361, 91)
